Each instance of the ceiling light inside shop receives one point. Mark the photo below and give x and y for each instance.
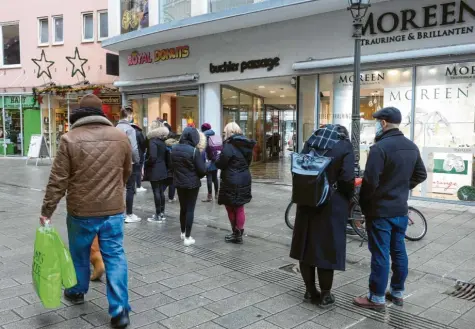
(282, 96)
(407, 73)
(262, 87)
(234, 96)
(393, 72)
(377, 72)
(272, 91)
(433, 70)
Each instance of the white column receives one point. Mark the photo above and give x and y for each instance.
(114, 18)
(212, 112)
(199, 7)
(154, 12)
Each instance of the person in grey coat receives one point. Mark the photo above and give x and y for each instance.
(319, 237)
(125, 124)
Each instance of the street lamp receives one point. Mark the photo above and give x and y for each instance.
(358, 10)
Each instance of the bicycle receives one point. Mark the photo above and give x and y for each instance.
(357, 223)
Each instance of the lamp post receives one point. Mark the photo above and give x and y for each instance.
(358, 9)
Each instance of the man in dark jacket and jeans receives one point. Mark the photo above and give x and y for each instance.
(394, 168)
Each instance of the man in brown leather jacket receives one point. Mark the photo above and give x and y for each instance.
(93, 163)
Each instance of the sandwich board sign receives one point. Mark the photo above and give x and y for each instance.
(38, 149)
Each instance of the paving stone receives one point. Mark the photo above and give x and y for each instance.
(38, 321)
(277, 304)
(182, 280)
(235, 303)
(462, 324)
(16, 291)
(371, 324)
(76, 311)
(7, 283)
(184, 305)
(22, 279)
(208, 325)
(456, 305)
(334, 320)
(189, 319)
(77, 323)
(97, 318)
(185, 268)
(216, 282)
(262, 325)
(425, 297)
(7, 317)
(12, 303)
(183, 292)
(150, 289)
(218, 294)
(271, 290)
(152, 277)
(28, 311)
(144, 270)
(291, 317)
(147, 303)
(145, 318)
(214, 271)
(245, 285)
(241, 318)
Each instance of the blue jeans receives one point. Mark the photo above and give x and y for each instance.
(110, 230)
(386, 239)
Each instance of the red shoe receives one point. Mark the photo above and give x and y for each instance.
(364, 302)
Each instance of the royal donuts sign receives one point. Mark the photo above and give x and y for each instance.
(159, 55)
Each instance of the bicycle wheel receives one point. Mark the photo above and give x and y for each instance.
(417, 226)
(357, 220)
(290, 214)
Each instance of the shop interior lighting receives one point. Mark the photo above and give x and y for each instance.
(407, 73)
(393, 72)
(272, 91)
(262, 87)
(282, 96)
(433, 70)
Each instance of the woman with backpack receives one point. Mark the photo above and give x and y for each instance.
(236, 180)
(214, 146)
(319, 237)
(188, 169)
(155, 170)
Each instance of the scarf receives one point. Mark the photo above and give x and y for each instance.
(83, 112)
(325, 138)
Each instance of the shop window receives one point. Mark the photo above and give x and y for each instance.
(379, 88)
(43, 31)
(307, 105)
(88, 27)
(58, 37)
(220, 5)
(134, 15)
(10, 35)
(172, 10)
(103, 25)
(444, 127)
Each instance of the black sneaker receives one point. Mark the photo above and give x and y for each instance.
(74, 298)
(315, 299)
(327, 300)
(121, 321)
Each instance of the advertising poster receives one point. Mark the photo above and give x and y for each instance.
(134, 15)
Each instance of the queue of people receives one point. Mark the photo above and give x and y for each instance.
(97, 164)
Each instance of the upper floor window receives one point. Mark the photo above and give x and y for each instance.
(220, 5)
(87, 27)
(134, 15)
(103, 25)
(43, 31)
(58, 37)
(10, 50)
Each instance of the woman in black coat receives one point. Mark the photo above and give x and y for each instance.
(155, 169)
(236, 181)
(319, 237)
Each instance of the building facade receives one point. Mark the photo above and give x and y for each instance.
(280, 68)
(51, 55)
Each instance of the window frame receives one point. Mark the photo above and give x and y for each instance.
(54, 42)
(2, 65)
(98, 18)
(43, 44)
(83, 32)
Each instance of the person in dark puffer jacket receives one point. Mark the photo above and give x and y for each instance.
(188, 169)
(142, 146)
(170, 141)
(236, 180)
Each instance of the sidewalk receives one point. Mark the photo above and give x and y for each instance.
(213, 285)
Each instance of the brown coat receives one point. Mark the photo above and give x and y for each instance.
(92, 165)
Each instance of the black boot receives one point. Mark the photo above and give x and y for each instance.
(74, 298)
(327, 300)
(238, 236)
(312, 295)
(121, 321)
(230, 237)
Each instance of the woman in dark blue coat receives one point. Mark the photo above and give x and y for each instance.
(155, 169)
(236, 181)
(319, 237)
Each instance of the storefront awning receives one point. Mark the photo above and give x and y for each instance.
(246, 16)
(386, 57)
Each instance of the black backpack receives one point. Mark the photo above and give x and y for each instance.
(310, 185)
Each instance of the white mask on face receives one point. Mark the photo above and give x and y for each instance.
(379, 128)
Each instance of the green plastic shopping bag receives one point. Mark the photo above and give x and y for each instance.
(46, 270)
(68, 273)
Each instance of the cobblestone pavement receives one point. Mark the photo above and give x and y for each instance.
(213, 285)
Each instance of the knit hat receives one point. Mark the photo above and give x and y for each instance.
(205, 127)
(88, 106)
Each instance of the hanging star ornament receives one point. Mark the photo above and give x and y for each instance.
(78, 64)
(43, 65)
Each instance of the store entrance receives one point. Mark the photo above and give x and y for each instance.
(265, 109)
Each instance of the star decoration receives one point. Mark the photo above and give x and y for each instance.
(78, 64)
(43, 65)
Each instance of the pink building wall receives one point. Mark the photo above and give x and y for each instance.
(27, 12)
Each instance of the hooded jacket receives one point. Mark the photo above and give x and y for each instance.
(141, 141)
(92, 165)
(188, 165)
(156, 158)
(234, 162)
(208, 134)
(127, 128)
(169, 143)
